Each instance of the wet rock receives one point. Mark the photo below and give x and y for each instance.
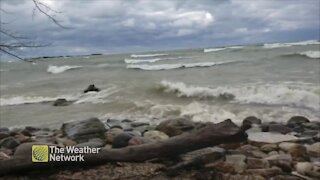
(197, 153)
(91, 87)
(297, 120)
(279, 128)
(61, 102)
(24, 150)
(255, 163)
(137, 124)
(121, 140)
(285, 157)
(65, 142)
(112, 133)
(139, 140)
(309, 133)
(9, 142)
(4, 135)
(23, 139)
(126, 121)
(82, 131)
(314, 149)
(312, 125)
(92, 144)
(4, 129)
(267, 172)
(297, 151)
(237, 161)
(174, 127)
(251, 120)
(156, 135)
(269, 147)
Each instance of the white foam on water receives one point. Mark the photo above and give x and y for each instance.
(221, 49)
(147, 55)
(59, 69)
(270, 94)
(176, 66)
(136, 61)
(311, 54)
(97, 97)
(302, 43)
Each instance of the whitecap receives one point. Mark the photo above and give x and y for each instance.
(270, 94)
(221, 49)
(147, 55)
(311, 54)
(302, 43)
(59, 69)
(153, 60)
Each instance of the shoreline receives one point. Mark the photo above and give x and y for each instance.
(272, 149)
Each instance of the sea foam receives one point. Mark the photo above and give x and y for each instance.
(147, 55)
(302, 43)
(59, 69)
(153, 60)
(270, 94)
(311, 54)
(221, 49)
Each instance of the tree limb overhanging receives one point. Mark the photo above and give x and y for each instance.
(211, 135)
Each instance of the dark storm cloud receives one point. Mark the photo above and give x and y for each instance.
(122, 26)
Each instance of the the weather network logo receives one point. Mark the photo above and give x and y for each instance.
(40, 153)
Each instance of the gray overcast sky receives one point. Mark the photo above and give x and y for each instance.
(112, 26)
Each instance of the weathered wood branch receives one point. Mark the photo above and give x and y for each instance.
(211, 135)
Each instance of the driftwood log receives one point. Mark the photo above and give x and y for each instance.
(211, 135)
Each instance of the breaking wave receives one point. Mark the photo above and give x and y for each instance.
(270, 94)
(311, 54)
(302, 43)
(90, 97)
(176, 66)
(147, 55)
(221, 49)
(59, 69)
(136, 61)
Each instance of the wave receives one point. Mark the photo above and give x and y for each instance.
(136, 61)
(79, 98)
(270, 94)
(59, 69)
(302, 43)
(311, 54)
(176, 66)
(221, 49)
(147, 55)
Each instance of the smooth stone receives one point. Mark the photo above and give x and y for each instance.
(121, 140)
(112, 133)
(24, 150)
(238, 162)
(4, 156)
(297, 120)
(285, 157)
(65, 142)
(4, 135)
(92, 144)
(91, 87)
(255, 163)
(156, 135)
(297, 151)
(9, 142)
(23, 139)
(114, 123)
(269, 147)
(247, 147)
(61, 102)
(4, 129)
(268, 137)
(314, 149)
(251, 120)
(258, 154)
(304, 167)
(139, 140)
(174, 127)
(197, 153)
(286, 166)
(267, 172)
(82, 131)
(137, 124)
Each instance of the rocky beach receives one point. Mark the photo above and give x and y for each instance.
(277, 151)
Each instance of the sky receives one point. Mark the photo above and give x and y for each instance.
(120, 26)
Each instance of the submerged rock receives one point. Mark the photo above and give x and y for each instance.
(174, 127)
(61, 102)
(91, 87)
(279, 128)
(297, 120)
(251, 120)
(82, 131)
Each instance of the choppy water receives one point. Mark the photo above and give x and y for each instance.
(270, 81)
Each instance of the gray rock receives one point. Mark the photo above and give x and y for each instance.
(91, 87)
(4, 135)
(4, 129)
(197, 153)
(9, 142)
(82, 131)
(92, 144)
(24, 150)
(268, 137)
(61, 102)
(269, 147)
(255, 163)
(251, 120)
(137, 124)
(136, 140)
(278, 128)
(304, 168)
(238, 162)
(111, 134)
(156, 135)
(297, 120)
(174, 127)
(121, 140)
(284, 157)
(312, 125)
(267, 172)
(314, 149)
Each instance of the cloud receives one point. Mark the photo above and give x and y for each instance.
(141, 25)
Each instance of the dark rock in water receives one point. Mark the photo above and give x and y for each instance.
(91, 87)
(297, 120)
(61, 102)
(174, 127)
(82, 131)
(309, 133)
(9, 143)
(126, 121)
(276, 128)
(121, 140)
(251, 120)
(4, 129)
(227, 96)
(32, 129)
(4, 135)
